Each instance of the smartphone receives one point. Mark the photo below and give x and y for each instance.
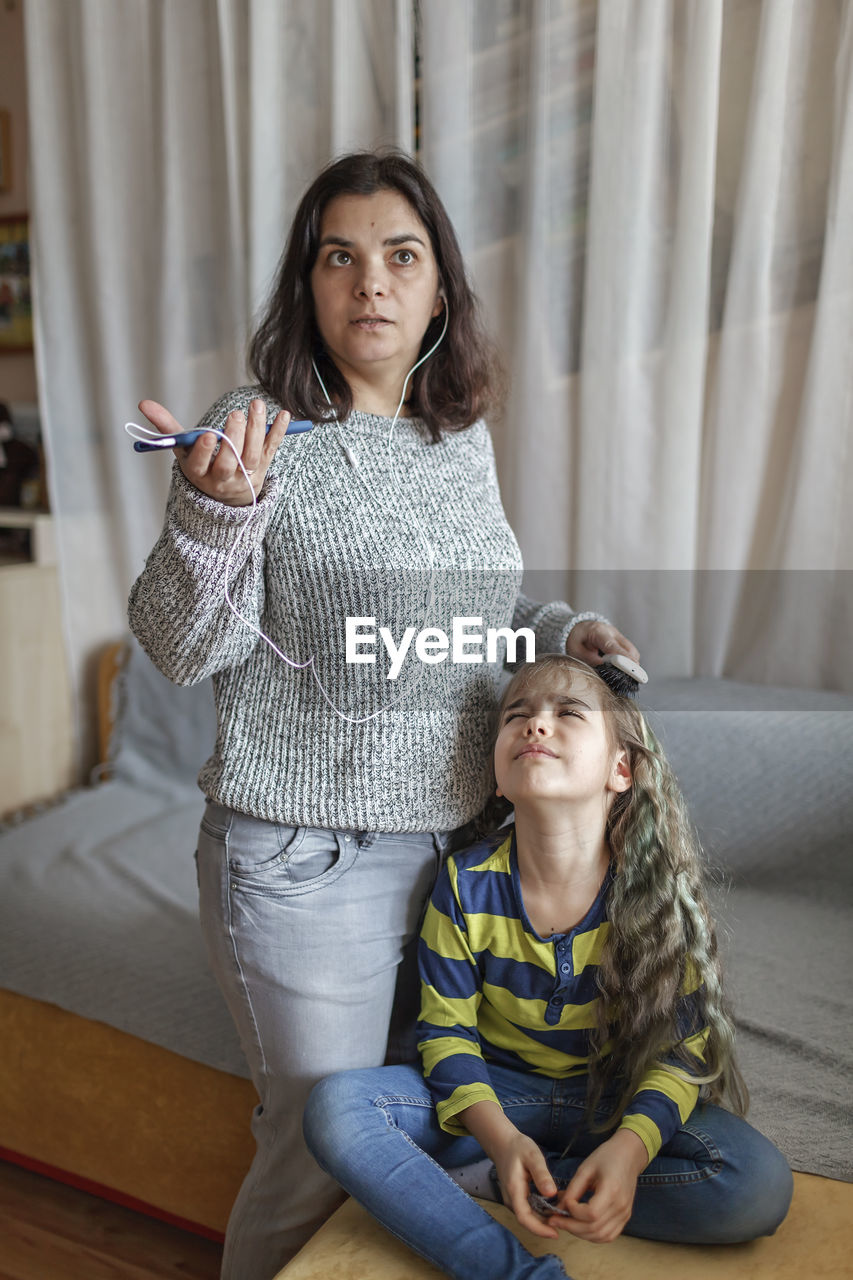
(184, 439)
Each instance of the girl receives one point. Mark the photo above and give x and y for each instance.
(334, 792)
(572, 1021)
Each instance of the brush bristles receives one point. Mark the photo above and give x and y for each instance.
(619, 681)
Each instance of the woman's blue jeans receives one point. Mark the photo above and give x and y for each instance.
(307, 930)
(717, 1181)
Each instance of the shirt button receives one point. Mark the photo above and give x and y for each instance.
(347, 839)
(557, 1001)
(565, 967)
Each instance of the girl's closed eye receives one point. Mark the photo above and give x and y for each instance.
(563, 711)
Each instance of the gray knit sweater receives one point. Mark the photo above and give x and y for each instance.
(412, 537)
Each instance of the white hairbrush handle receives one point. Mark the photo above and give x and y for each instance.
(632, 669)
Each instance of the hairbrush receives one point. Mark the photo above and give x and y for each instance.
(620, 674)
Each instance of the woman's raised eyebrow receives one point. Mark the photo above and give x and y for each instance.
(350, 244)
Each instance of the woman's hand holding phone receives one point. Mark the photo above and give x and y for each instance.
(211, 465)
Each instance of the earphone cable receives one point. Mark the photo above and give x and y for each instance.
(131, 427)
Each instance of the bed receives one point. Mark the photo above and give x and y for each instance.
(121, 1072)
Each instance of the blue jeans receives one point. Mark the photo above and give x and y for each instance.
(306, 929)
(717, 1181)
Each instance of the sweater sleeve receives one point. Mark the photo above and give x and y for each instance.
(449, 1044)
(666, 1094)
(552, 623)
(177, 607)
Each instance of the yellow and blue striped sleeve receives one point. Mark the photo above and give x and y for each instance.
(451, 993)
(666, 1095)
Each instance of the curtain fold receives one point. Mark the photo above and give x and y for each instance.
(170, 143)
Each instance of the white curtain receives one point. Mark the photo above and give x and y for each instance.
(656, 199)
(170, 142)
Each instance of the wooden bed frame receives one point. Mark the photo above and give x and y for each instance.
(113, 1114)
(120, 1117)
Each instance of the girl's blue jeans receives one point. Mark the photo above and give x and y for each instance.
(717, 1181)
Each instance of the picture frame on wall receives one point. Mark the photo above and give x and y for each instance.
(16, 309)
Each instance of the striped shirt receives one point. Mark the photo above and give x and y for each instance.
(494, 991)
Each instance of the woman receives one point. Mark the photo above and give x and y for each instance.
(334, 791)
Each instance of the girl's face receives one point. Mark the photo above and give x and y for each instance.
(553, 744)
(375, 285)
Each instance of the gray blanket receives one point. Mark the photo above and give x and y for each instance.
(768, 777)
(98, 903)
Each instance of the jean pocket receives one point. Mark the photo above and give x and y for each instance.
(310, 859)
(259, 848)
(316, 854)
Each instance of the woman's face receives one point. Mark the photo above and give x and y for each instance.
(375, 286)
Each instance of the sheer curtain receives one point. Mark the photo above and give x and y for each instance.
(656, 201)
(171, 140)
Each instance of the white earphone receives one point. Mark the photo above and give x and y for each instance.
(348, 452)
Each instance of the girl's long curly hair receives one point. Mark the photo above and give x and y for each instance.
(661, 942)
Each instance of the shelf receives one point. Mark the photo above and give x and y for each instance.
(26, 537)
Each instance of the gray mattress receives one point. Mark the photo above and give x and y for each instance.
(98, 894)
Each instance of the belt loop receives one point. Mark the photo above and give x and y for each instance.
(442, 841)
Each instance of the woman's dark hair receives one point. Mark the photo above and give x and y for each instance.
(456, 386)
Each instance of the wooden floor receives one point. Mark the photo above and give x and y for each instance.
(53, 1232)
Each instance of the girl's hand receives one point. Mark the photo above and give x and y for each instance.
(519, 1162)
(214, 470)
(610, 1173)
(588, 640)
